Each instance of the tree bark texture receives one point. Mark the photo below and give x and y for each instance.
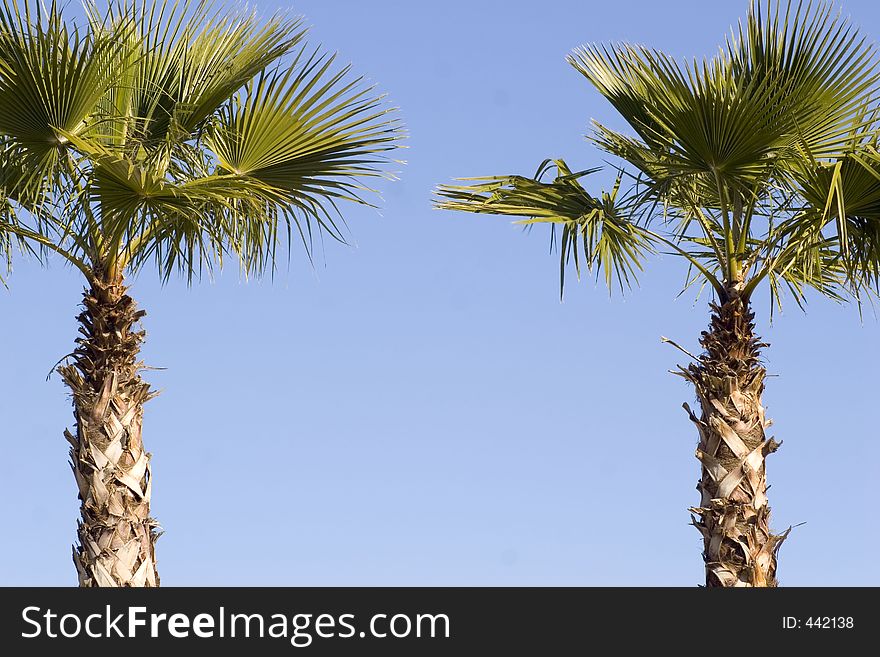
(116, 535)
(734, 514)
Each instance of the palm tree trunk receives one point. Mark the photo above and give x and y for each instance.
(734, 515)
(116, 534)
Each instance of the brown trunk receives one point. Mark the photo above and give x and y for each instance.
(116, 534)
(733, 516)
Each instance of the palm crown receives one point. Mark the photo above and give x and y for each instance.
(759, 163)
(174, 134)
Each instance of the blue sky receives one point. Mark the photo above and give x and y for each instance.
(420, 408)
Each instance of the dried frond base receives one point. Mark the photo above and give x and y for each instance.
(116, 534)
(734, 514)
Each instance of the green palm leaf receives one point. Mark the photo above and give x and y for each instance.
(594, 233)
(189, 59)
(51, 79)
(845, 195)
(308, 132)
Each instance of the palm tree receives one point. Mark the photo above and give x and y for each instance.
(169, 135)
(757, 166)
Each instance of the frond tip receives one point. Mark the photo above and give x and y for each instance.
(596, 232)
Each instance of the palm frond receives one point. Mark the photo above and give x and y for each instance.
(823, 71)
(182, 226)
(189, 59)
(792, 78)
(311, 133)
(844, 197)
(594, 232)
(52, 76)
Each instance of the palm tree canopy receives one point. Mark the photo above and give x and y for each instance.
(761, 162)
(176, 133)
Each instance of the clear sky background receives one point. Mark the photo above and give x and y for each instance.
(420, 408)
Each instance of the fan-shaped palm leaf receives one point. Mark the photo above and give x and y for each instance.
(308, 132)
